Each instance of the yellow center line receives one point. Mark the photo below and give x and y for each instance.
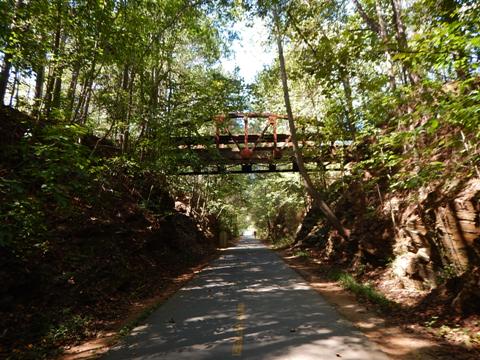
(239, 327)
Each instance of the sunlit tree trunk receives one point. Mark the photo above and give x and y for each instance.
(39, 82)
(124, 109)
(347, 90)
(53, 74)
(72, 89)
(400, 35)
(88, 97)
(382, 31)
(15, 86)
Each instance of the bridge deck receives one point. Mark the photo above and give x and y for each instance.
(268, 148)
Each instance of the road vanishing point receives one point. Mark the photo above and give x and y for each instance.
(247, 304)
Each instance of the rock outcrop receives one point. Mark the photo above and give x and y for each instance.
(438, 234)
(429, 236)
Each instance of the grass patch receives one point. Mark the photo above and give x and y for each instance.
(301, 254)
(364, 291)
(282, 243)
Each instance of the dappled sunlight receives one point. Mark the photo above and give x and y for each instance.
(254, 269)
(204, 318)
(250, 301)
(214, 285)
(351, 349)
(139, 329)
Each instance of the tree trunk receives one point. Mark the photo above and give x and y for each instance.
(384, 37)
(379, 28)
(350, 113)
(4, 76)
(372, 24)
(39, 81)
(7, 59)
(324, 208)
(72, 89)
(401, 37)
(52, 95)
(399, 27)
(52, 75)
(81, 101)
(80, 109)
(57, 89)
(86, 108)
(14, 88)
(126, 134)
(124, 109)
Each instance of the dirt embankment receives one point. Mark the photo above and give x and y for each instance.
(420, 249)
(82, 239)
(415, 222)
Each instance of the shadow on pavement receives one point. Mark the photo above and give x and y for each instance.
(247, 304)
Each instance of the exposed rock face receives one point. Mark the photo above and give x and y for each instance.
(428, 241)
(414, 269)
(441, 231)
(458, 226)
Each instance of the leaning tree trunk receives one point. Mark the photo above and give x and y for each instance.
(322, 205)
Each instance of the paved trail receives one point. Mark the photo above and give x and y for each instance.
(247, 304)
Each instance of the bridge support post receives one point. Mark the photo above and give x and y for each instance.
(246, 168)
(272, 167)
(294, 166)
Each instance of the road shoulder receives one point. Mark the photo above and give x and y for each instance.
(96, 347)
(398, 342)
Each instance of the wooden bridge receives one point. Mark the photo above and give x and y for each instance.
(228, 151)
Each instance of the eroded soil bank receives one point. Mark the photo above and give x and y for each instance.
(95, 236)
(414, 253)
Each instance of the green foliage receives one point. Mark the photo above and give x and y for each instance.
(415, 180)
(448, 271)
(23, 219)
(402, 96)
(74, 328)
(136, 72)
(301, 254)
(55, 168)
(274, 204)
(365, 291)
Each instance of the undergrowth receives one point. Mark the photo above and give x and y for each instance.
(361, 290)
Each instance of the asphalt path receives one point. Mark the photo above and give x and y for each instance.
(247, 304)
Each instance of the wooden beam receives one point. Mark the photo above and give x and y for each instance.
(227, 139)
(243, 171)
(266, 115)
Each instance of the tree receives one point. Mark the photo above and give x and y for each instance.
(298, 156)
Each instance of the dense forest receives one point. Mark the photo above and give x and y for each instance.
(94, 214)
